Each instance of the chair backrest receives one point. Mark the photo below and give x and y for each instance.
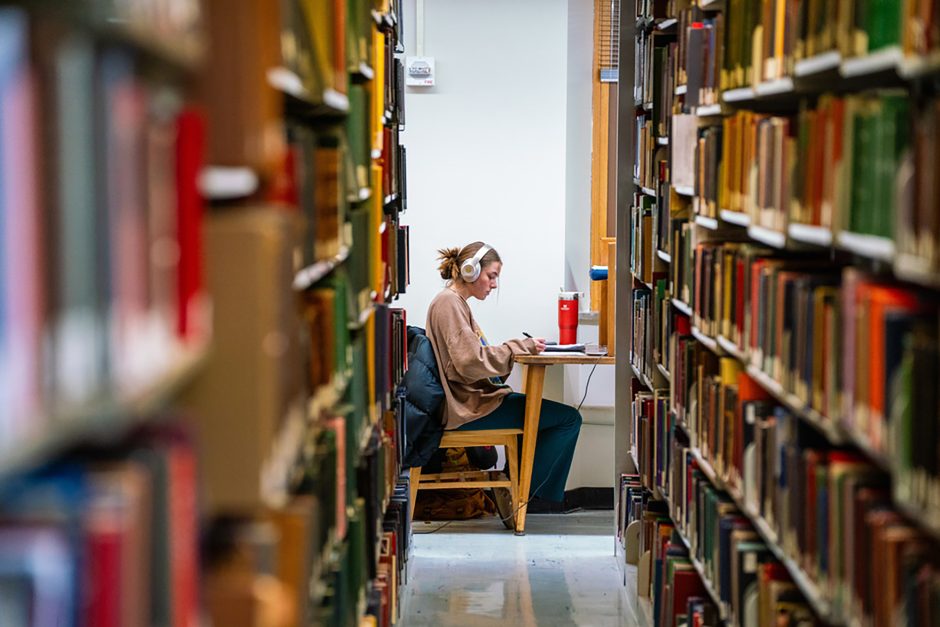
(423, 400)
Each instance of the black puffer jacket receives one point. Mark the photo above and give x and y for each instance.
(424, 399)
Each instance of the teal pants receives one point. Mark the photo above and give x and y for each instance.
(559, 426)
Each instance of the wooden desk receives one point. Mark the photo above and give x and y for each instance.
(533, 381)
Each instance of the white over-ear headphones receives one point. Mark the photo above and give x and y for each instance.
(470, 269)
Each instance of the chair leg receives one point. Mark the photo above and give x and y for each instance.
(415, 478)
(512, 457)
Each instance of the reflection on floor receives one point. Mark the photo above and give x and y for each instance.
(562, 572)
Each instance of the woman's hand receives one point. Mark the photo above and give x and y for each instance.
(539, 343)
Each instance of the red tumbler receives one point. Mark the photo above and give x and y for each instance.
(567, 317)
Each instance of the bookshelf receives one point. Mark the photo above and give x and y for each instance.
(681, 306)
(305, 269)
(796, 348)
(314, 273)
(705, 222)
(818, 64)
(327, 102)
(737, 218)
(127, 384)
(109, 420)
(104, 315)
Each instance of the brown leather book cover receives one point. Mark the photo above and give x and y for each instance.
(244, 112)
(254, 369)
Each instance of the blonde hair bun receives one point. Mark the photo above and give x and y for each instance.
(449, 267)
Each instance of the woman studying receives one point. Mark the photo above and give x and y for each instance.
(472, 372)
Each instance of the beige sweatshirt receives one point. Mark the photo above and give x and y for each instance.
(465, 363)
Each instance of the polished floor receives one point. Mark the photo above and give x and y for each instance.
(561, 573)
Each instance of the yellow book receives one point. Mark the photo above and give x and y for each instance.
(766, 67)
(724, 166)
(319, 20)
(729, 371)
(753, 70)
(779, 42)
(845, 16)
(727, 303)
(378, 96)
(827, 35)
(810, 45)
(377, 222)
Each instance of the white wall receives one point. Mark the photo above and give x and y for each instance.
(578, 139)
(486, 154)
(499, 151)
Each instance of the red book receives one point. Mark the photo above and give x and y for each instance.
(812, 461)
(685, 584)
(123, 505)
(386, 160)
(285, 187)
(756, 271)
(338, 426)
(183, 517)
(882, 300)
(683, 325)
(103, 568)
(189, 161)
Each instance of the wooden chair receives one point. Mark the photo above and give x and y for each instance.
(474, 478)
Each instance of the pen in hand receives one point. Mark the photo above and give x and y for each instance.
(539, 343)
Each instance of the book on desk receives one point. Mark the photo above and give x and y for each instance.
(579, 348)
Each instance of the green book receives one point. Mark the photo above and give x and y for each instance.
(659, 90)
(355, 35)
(343, 352)
(752, 16)
(358, 263)
(862, 187)
(883, 24)
(357, 131)
(902, 415)
(707, 542)
(357, 569)
(898, 128)
(357, 392)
